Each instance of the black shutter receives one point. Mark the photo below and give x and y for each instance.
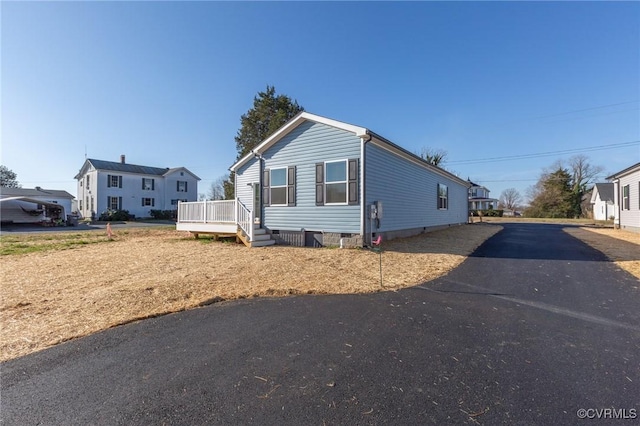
(153, 202)
(291, 186)
(353, 181)
(266, 201)
(153, 184)
(177, 185)
(319, 184)
(119, 181)
(142, 199)
(108, 203)
(143, 184)
(108, 181)
(186, 189)
(119, 203)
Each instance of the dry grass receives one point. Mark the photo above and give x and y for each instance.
(622, 247)
(54, 295)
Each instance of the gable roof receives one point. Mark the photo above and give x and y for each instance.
(605, 190)
(358, 131)
(34, 192)
(628, 170)
(115, 166)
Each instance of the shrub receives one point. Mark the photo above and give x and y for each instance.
(487, 213)
(164, 214)
(115, 215)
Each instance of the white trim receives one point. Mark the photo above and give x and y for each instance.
(361, 185)
(446, 197)
(285, 186)
(346, 182)
(292, 124)
(419, 161)
(177, 169)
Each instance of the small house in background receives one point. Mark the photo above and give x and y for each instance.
(626, 198)
(602, 201)
(322, 182)
(109, 185)
(479, 198)
(34, 205)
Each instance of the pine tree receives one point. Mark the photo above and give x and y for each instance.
(554, 196)
(269, 113)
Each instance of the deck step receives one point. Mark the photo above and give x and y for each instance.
(261, 237)
(262, 243)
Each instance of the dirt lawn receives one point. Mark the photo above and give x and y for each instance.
(622, 247)
(75, 288)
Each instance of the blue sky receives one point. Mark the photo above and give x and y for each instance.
(165, 83)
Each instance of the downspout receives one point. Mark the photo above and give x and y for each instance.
(363, 198)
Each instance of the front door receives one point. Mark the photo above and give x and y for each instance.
(257, 203)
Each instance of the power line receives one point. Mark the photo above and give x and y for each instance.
(587, 109)
(546, 154)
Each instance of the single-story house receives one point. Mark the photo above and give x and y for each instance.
(34, 205)
(602, 201)
(318, 181)
(111, 185)
(626, 193)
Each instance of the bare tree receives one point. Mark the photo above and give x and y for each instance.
(582, 172)
(436, 157)
(510, 198)
(216, 190)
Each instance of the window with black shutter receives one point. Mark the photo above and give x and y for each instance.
(266, 187)
(353, 182)
(291, 186)
(319, 184)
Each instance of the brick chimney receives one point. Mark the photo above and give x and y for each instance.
(122, 159)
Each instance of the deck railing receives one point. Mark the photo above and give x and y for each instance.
(245, 219)
(222, 211)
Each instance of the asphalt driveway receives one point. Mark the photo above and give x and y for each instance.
(532, 328)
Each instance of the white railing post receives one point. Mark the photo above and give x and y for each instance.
(252, 221)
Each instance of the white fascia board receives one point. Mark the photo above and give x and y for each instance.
(420, 162)
(622, 173)
(178, 169)
(242, 162)
(292, 124)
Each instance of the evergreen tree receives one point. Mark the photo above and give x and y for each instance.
(269, 113)
(8, 178)
(554, 196)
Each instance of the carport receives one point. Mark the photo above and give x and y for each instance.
(9, 214)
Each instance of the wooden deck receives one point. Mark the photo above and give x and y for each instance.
(224, 218)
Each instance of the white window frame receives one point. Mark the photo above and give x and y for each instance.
(182, 186)
(115, 181)
(345, 182)
(117, 201)
(144, 184)
(626, 197)
(150, 200)
(272, 186)
(443, 200)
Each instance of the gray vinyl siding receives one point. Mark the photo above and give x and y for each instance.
(630, 219)
(303, 147)
(408, 192)
(246, 175)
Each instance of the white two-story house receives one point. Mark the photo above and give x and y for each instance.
(479, 198)
(109, 185)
